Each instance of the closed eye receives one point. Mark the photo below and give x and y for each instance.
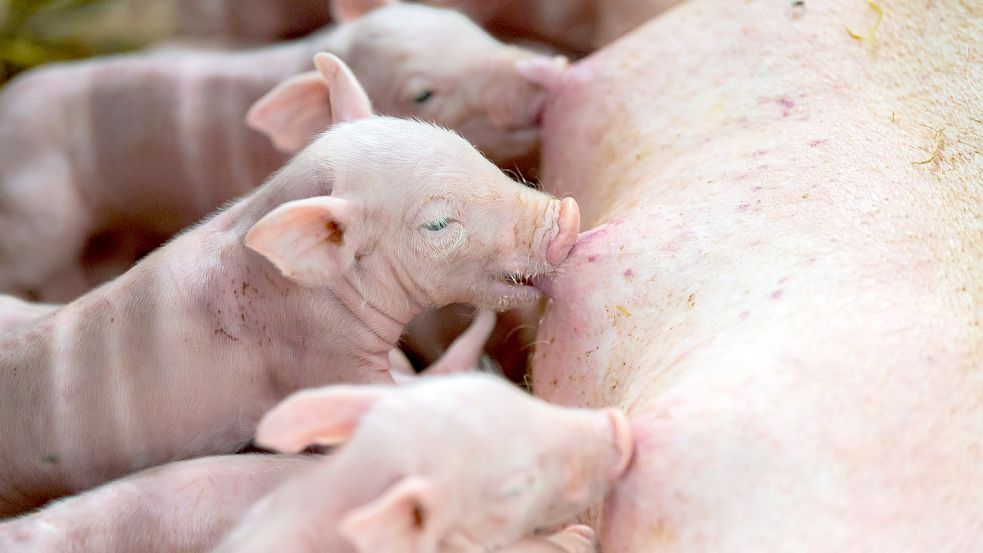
(437, 224)
(423, 96)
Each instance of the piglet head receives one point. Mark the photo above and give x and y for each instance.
(557, 462)
(475, 464)
(414, 210)
(438, 65)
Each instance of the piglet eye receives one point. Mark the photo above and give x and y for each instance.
(423, 96)
(437, 224)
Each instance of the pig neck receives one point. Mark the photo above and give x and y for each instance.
(322, 322)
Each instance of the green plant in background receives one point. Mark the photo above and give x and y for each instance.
(34, 32)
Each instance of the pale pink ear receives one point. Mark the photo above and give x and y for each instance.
(401, 521)
(293, 112)
(346, 10)
(349, 101)
(308, 240)
(324, 416)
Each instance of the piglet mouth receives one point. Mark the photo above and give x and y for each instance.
(516, 279)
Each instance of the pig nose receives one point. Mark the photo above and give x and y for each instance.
(569, 223)
(624, 441)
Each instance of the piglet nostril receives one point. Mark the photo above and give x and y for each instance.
(624, 441)
(569, 223)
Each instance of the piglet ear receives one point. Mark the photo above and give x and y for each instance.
(346, 10)
(401, 521)
(348, 99)
(323, 416)
(293, 112)
(307, 104)
(307, 240)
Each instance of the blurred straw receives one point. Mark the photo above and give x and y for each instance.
(34, 32)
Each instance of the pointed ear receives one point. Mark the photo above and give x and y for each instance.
(348, 99)
(401, 521)
(308, 104)
(293, 112)
(307, 240)
(323, 416)
(346, 10)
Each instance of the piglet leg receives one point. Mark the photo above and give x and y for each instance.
(462, 355)
(572, 539)
(464, 352)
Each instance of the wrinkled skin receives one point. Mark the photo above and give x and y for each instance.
(784, 301)
(181, 507)
(308, 281)
(103, 160)
(399, 484)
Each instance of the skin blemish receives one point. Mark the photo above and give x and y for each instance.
(742, 207)
(623, 310)
(744, 315)
(787, 104)
(418, 516)
(591, 258)
(50, 459)
(758, 153)
(691, 300)
(628, 274)
(817, 142)
(777, 294)
(336, 234)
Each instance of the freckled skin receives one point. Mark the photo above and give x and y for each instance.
(802, 363)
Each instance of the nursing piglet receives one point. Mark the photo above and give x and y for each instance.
(134, 148)
(459, 463)
(308, 281)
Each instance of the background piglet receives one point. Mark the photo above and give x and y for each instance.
(398, 484)
(128, 150)
(181, 507)
(575, 26)
(308, 281)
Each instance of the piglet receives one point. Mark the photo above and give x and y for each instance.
(457, 463)
(181, 507)
(135, 148)
(308, 281)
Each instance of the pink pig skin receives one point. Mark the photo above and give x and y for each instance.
(16, 313)
(785, 300)
(180, 507)
(181, 355)
(144, 145)
(398, 484)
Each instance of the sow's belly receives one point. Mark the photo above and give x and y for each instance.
(797, 370)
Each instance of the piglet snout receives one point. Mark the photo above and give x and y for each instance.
(624, 441)
(569, 223)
